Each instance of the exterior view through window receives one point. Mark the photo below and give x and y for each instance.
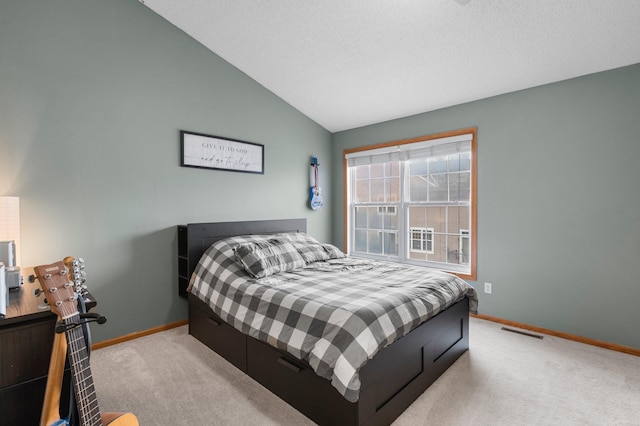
(413, 201)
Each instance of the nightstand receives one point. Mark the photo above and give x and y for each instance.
(26, 340)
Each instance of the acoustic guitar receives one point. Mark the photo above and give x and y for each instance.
(61, 293)
(51, 405)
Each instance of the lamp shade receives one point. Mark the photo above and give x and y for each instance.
(10, 222)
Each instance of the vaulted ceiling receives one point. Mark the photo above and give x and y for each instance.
(350, 63)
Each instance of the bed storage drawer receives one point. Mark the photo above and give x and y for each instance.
(207, 327)
(296, 383)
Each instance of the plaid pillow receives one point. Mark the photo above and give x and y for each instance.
(263, 258)
(333, 252)
(317, 252)
(299, 236)
(311, 252)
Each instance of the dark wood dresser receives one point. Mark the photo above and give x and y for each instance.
(26, 340)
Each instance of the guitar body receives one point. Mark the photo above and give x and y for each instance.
(119, 419)
(111, 419)
(62, 294)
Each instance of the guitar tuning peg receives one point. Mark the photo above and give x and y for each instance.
(37, 292)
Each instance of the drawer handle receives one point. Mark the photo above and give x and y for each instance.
(289, 365)
(215, 323)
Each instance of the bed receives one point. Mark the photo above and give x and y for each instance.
(386, 384)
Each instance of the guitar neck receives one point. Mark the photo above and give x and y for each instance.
(86, 398)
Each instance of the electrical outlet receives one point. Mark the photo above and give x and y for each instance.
(488, 287)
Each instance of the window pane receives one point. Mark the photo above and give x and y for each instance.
(453, 220)
(460, 162)
(417, 217)
(464, 247)
(437, 219)
(377, 190)
(417, 188)
(393, 189)
(362, 172)
(465, 161)
(375, 242)
(458, 218)
(454, 162)
(394, 167)
(454, 255)
(390, 220)
(438, 187)
(439, 249)
(361, 217)
(417, 168)
(361, 240)
(438, 165)
(362, 191)
(377, 170)
(459, 186)
(391, 243)
(375, 218)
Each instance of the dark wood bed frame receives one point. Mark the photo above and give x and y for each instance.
(391, 381)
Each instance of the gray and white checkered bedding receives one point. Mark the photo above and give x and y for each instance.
(334, 314)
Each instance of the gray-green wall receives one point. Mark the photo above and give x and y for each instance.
(558, 200)
(92, 97)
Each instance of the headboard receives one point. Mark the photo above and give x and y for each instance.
(195, 238)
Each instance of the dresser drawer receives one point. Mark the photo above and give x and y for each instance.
(25, 351)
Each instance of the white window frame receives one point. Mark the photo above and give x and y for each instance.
(433, 146)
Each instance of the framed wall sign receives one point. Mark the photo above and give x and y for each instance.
(214, 152)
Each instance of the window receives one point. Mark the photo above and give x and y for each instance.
(387, 210)
(421, 240)
(413, 201)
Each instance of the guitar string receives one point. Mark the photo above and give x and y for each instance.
(77, 384)
(84, 381)
(85, 389)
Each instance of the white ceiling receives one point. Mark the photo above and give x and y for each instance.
(350, 63)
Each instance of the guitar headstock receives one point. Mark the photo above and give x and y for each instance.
(75, 265)
(58, 288)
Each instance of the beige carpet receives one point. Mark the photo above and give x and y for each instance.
(170, 378)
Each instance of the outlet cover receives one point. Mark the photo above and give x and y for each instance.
(488, 287)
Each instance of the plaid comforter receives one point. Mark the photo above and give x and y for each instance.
(334, 314)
